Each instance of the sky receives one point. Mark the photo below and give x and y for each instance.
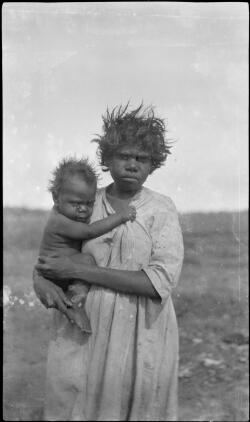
(65, 63)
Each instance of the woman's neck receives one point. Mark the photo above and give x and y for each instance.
(114, 191)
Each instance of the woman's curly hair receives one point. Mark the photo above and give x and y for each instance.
(69, 167)
(135, 128)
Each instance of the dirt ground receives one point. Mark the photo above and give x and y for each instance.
(211, 305)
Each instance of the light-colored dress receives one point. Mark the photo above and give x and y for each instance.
(127, 370)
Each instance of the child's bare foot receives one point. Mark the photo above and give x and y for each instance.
(79, 317)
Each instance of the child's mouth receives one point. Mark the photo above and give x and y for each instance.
(82, 219)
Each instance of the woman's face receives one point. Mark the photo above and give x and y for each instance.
(129, 168)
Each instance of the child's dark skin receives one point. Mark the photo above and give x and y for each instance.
(68, 226)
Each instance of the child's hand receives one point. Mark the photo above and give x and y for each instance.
(132, 214)
(128, 213)
(50, 295)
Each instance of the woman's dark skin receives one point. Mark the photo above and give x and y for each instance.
(129, 168)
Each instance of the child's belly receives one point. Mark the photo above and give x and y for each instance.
(58, 250)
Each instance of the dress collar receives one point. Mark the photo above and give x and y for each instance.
(138, 200)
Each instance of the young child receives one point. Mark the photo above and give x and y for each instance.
(73, 189)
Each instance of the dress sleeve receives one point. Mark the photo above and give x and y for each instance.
(167, 251)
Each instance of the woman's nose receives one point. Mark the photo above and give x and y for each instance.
(132, 164)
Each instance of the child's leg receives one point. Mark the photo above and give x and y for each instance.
(77, 293)
(80, 318)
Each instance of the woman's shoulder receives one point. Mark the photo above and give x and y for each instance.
(160, 200)
(164, 212)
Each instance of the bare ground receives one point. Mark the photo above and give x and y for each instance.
(211, 305)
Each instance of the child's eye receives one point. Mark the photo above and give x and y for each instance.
(123, 156)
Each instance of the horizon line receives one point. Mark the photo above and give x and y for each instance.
(194, 211)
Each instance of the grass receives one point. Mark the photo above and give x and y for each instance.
(211, 301)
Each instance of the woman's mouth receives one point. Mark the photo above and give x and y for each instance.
(130, 178)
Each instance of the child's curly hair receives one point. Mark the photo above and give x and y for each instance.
(69, 167)
(138, 128)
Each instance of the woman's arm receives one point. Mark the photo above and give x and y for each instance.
(155, 280)
(130, 282)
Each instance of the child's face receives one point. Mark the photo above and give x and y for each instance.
(76, 199)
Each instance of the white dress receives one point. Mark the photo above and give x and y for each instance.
(127, 369)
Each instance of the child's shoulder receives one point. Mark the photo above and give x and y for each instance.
(54, 215)
(56, 219)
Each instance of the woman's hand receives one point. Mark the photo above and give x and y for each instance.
(56, 267)
(51, 295)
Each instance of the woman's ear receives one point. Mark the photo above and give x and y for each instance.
(107, 164)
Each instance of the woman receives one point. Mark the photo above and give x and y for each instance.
(127, 369)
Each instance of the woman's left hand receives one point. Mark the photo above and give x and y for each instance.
(56, 267)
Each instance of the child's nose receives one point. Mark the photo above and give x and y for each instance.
(81, 208)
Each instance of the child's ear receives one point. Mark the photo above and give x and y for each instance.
(151, 170)
(55, 198)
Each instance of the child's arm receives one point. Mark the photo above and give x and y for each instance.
(82, 231)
